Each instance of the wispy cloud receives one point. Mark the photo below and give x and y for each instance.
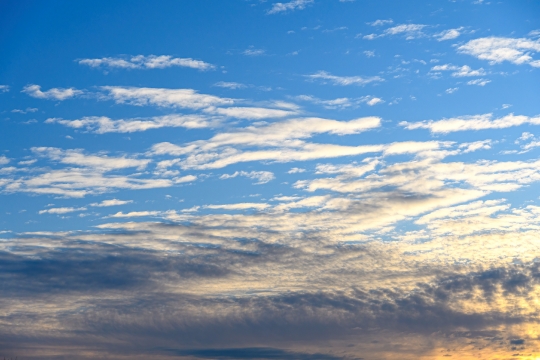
(111, 202)
(344, 80)
(262, 177)
(146, 62)
(62, 210)
(102, 125)
(341, 103)
(51, 94)
(474, 122)
(289, 6)
(459, 71)
(4, 88)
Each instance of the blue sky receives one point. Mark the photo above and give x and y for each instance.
(275, 167)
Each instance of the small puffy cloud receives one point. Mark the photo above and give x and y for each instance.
(475, 122)
(3, 160)
(343, 80)
(230, 85)
(61, 210)
(4, 88)
(146, 62)
(262, 177)
(451, 90)
(289, 6)
(51, 94)
(112, 202)
(499, 49)
(448, 34)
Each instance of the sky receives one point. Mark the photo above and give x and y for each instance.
(254, 179)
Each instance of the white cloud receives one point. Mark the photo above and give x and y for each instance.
(147, 62)
(76, 157)
(369, 53)
(251, 113)
(183, 98)
(381, 22)
(230, 85)
(478, 82)
(499, 49)
(254, 52)
(28, 110)
(120, 214)
(344, 80)
(474, 122)
(296, 170)
(262, 176)
(112, 202)
(4, 88)
(102, 124)
(459, 71)
(451, 90)
(477, 145)
(62, 210)
(239, 206)
(276, 141)
(448, 34)
(289, 6)
(3, 160)
(51, 94)
(411, 31)
(340, 103)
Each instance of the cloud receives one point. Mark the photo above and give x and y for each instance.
(449, 34)
(239, 206)
(3, 160)
(499, 49)
(78, 158)
(289, 6)
(451, 90)
(28, 110)
(182, 98)
(111, 202)
(254, 52)
(103, 124)
(478, 82)
(276, 141)
(4, 88)
(251, 113)
(340, 103)
(51, 94)
(343, 80)
(381, 22)
(296, 170)
(477, 145)
(146, 62)
(135, 214)
(459, 71)
(473, 122)
(262, 176)
(62, 210)
(230, 85)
